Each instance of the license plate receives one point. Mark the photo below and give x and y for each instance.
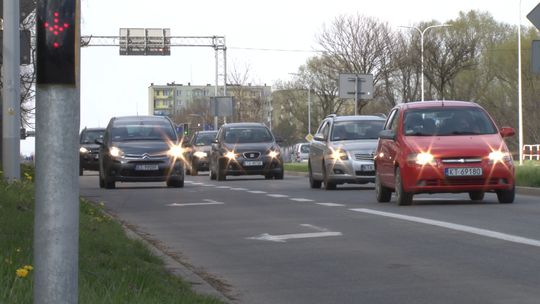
(463, 172)
(253, 163)
(367, 168)
(146, 167)
(96, 157)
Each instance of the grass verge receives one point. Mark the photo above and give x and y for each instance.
(112, 268)
(296, 167)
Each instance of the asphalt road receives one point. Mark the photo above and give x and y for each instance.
(279, 241)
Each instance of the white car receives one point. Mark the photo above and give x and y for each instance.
(342, 150)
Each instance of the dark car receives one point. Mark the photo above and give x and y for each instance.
(198, 151)
(89, 150)
(245, 149)
(140, 149)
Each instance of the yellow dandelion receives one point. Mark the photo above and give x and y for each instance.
(22, 273)
(101, 204)
(18, 249)
(28, 267)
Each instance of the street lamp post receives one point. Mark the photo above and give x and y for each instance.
(422, 32)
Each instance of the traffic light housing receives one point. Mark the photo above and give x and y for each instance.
(56, 41)
(186, 129)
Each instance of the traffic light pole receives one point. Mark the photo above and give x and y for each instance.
(11, 93)
(56, 222)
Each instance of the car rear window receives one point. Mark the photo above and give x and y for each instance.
(205, 139)
(90, 136)
(449, 121)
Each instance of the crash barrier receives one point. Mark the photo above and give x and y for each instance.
(531, 152)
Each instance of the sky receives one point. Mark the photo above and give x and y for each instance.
(270, 38)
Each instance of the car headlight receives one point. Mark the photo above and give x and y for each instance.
(422, 159)
(176, 151)
(116, 152)
(339, 154)
(230, 155)
(200, 154)
(83, 150)
(498, 156)
(273, 154)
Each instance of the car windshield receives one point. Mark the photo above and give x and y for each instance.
(90, 136)
(142, 130)
(304, 149)
(447, 122)
(205, 139)
(356, 129)
(247, 135)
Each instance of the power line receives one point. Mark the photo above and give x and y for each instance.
(273, 50)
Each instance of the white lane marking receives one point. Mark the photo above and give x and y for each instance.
(198, 184)
(284, 237)
(316, 228)
(258, 192)
(223, 187)
(189, 182)
(208, 185)
(238, 189)
(458, 227)
(207, 202)
(330, 204)
(277, 195)
(301, 199)
(321, 232)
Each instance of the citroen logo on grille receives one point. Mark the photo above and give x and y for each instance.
(145, 156)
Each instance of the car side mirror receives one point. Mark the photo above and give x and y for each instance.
(507, 131)
(318, 137)
(99, 141)
(387, 134)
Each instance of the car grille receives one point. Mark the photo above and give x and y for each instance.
(146, 156)
(363, 156)
(462, 160)
(251, 155)
(365, 173)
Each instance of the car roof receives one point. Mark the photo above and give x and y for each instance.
(358, 117)
(206, 132)
(243, 124)
(437, 104)
(141, 118)
(93, 129)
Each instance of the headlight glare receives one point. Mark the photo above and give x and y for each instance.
(176, 151)
(230, 155)
(83, 150)
(273, 154)
(498, 156)
(116, 152)
(422, 159)
(200, 154)
(339, 154)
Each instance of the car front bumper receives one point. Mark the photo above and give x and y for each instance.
(350, 171)
(145, 171)
(89, 161)
(432, 179)
(240, 166)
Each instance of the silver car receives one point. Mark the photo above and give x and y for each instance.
(342, 150)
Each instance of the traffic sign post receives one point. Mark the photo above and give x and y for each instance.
(356, 86)
(56, 222)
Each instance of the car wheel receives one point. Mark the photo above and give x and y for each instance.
(314, 184)
(110, 184)
(221, 173)
(188, 171)
(403, 198)
(177, 183)
(279, 175)
(506, 196)
(382, 193)
(328, 185)
(476, 195)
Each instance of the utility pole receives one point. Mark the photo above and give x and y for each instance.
(11, 112)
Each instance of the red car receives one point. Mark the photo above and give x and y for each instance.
(443, 147)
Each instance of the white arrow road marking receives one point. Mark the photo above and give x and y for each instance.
(322, 232)
(330, 204)
(208, 202)
(301, 199)
(458, 227)
(277, 195)
(257, 192)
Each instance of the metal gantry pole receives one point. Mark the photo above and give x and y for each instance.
(11, 114)
(520, 94)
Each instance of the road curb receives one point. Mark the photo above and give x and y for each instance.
(528, 191)
(198, 284)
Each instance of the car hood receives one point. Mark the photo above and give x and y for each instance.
(259, 147)
(202, 148)
(451, 146)
(91, 147)
(139, 147)
(367, 145)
